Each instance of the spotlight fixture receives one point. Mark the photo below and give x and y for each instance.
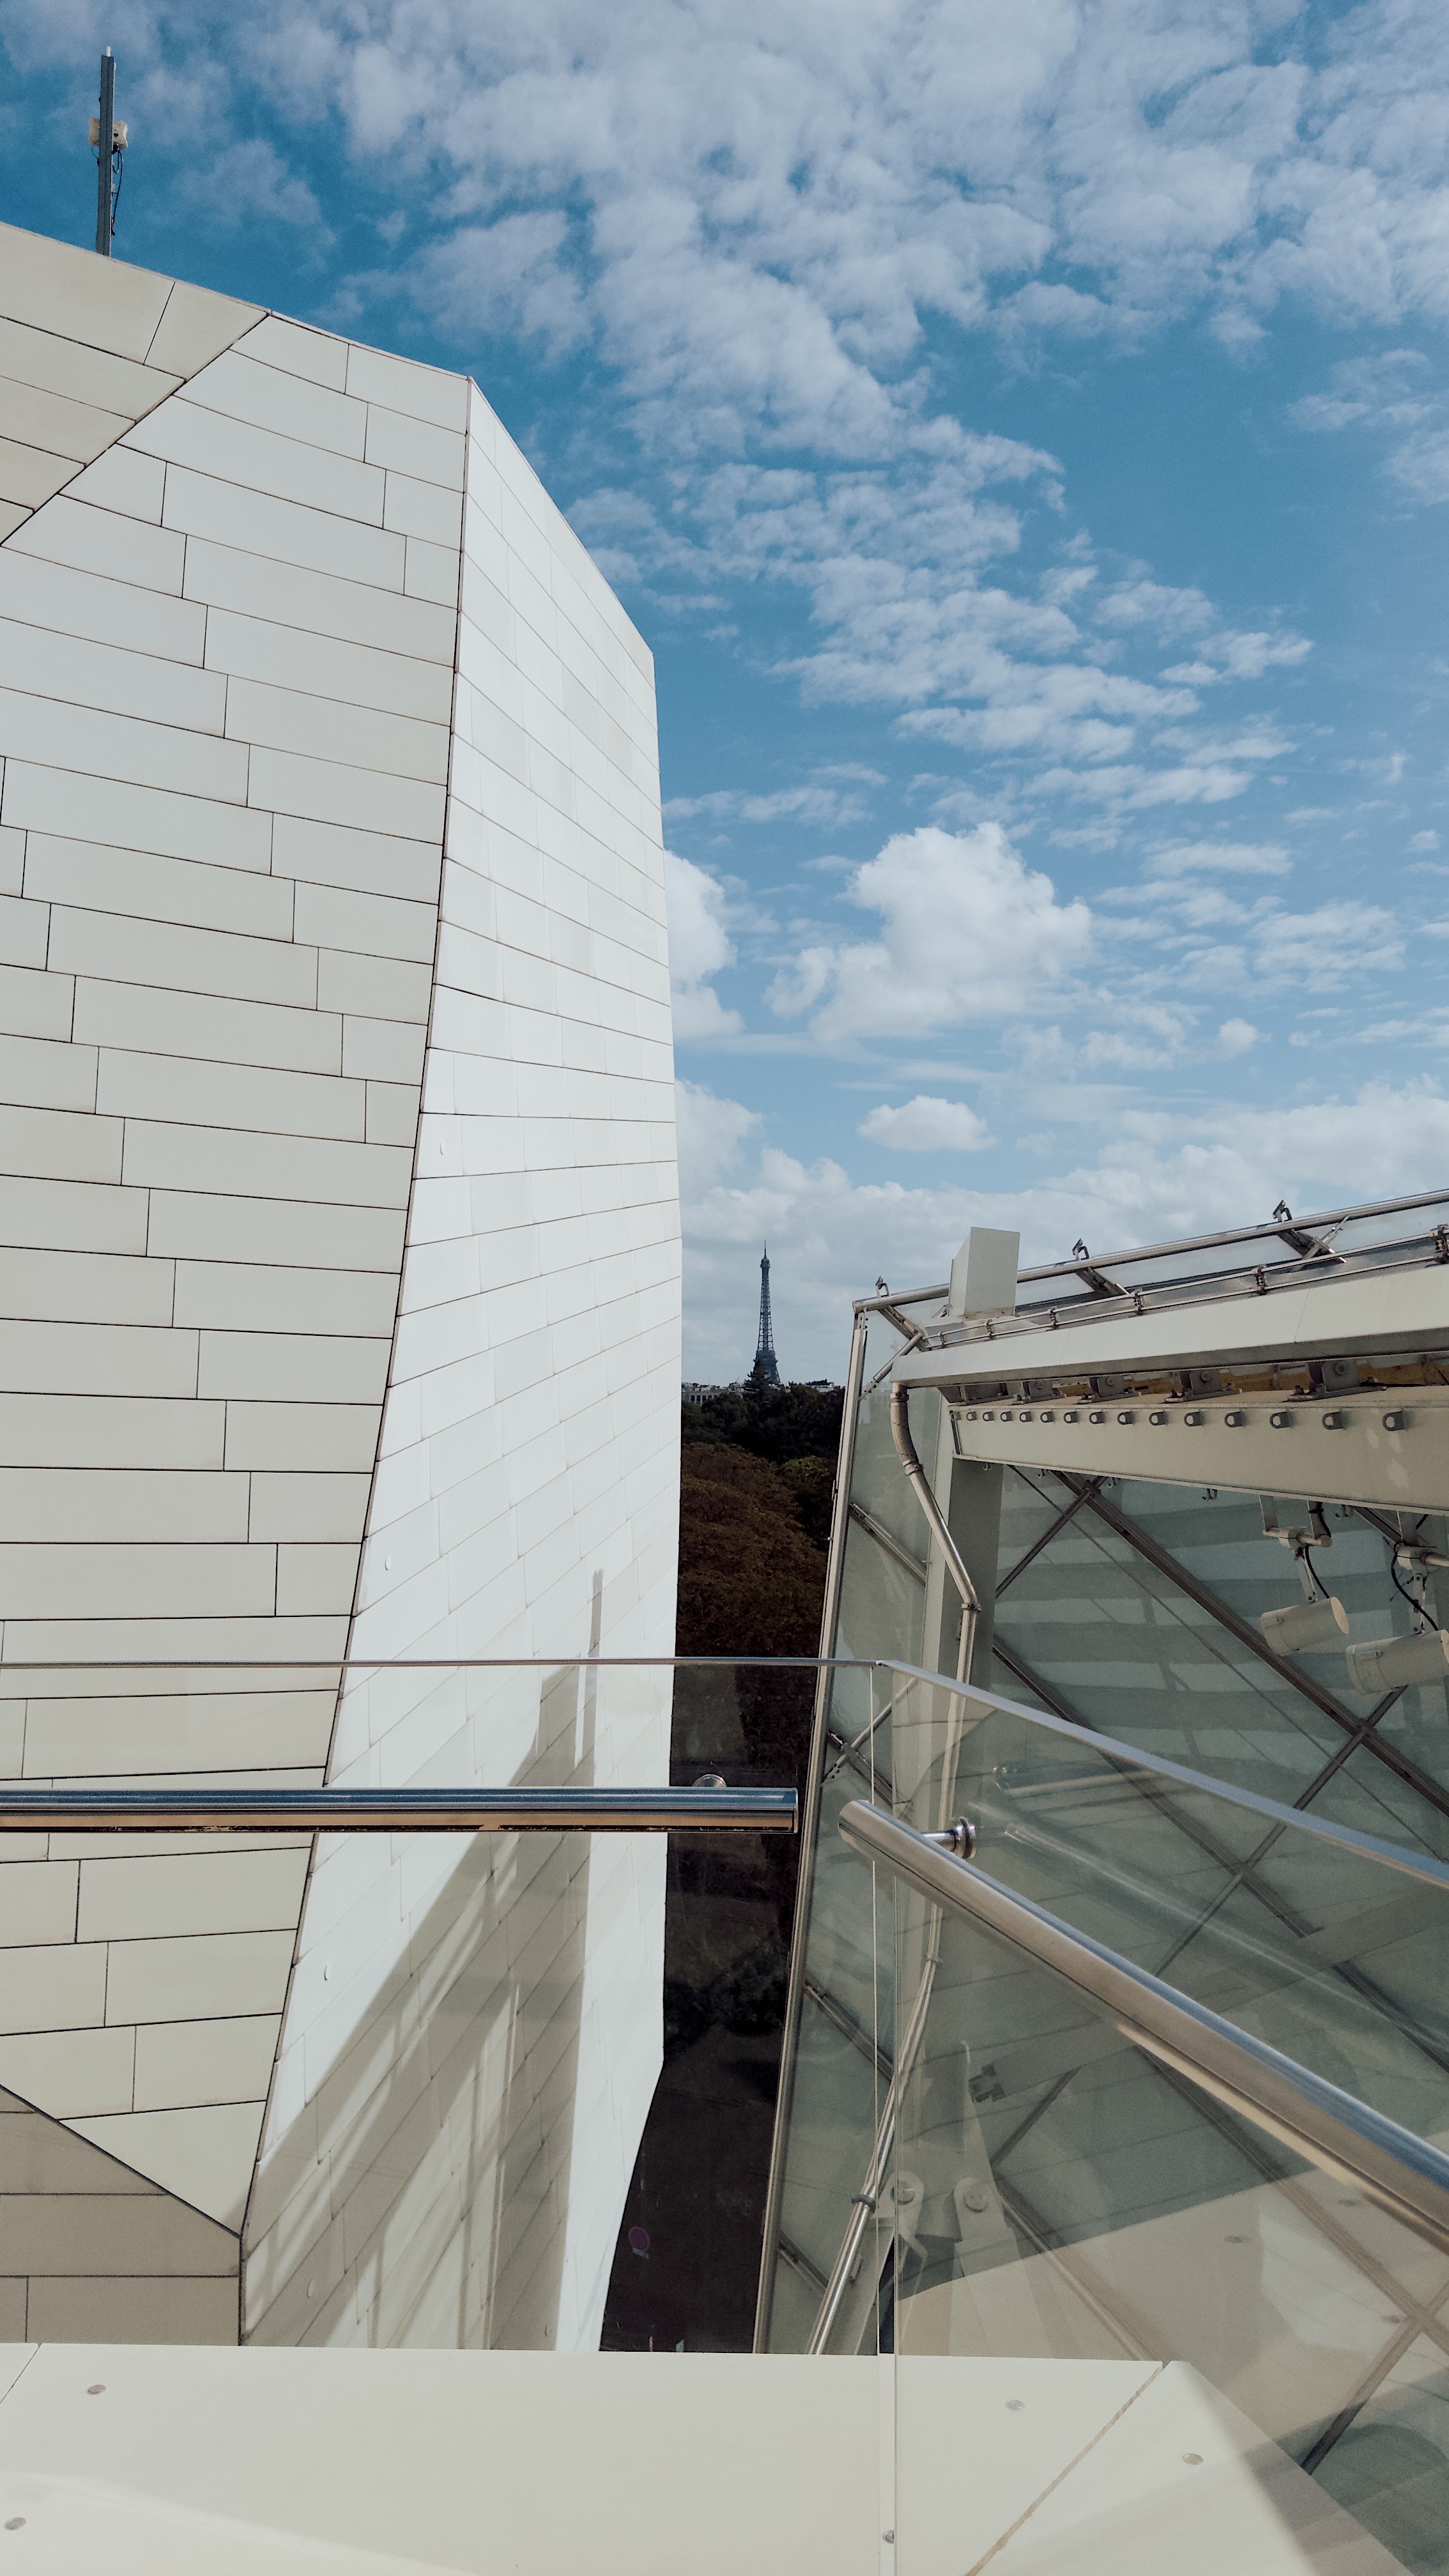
(1306, 1627)
(1396, 1663)
(1319, 1624)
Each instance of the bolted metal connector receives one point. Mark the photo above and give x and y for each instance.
(959, 1838)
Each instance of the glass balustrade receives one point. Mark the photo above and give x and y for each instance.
(1150, 2201)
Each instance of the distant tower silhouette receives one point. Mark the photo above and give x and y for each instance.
(766, 1371)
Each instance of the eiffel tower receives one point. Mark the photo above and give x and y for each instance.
(766, 1371)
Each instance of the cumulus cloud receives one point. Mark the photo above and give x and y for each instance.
(711, 1133)
(699, 946)
(1235, 1037)
(927, 1126)
(967, 934)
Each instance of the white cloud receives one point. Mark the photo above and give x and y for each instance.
(1388, 394)
(1421, 464)
(1236, 1036)
(927, 1126)
(1228, 858)
(1424, 841)
(1152, 1035)
(699, 946)
(820, 801)
(507, 276)
(967, 934)
(711, 1134)
(1129, 788)
(250, 183)
(770, 210)
(1321, 949)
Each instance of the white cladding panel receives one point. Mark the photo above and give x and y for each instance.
(525, 1503)
(257, 1312)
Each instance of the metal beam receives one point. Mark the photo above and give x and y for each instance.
(1006, 1580)
(885, 1540)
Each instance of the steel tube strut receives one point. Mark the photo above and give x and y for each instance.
(955, 1562)
(397, 1811)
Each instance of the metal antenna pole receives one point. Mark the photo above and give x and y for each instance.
(105, 146)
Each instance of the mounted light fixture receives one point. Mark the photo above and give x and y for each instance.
(1306, 1627)
(1319, 1624)
(1396, 1663)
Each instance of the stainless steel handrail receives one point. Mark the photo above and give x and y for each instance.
(1402, 2174)
(426, 1663)
(397, 1811)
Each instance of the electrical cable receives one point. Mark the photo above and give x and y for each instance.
(1416, 1606)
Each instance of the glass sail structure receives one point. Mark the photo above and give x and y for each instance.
(1144, 1583)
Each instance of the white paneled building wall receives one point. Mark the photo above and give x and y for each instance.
(339, 1252)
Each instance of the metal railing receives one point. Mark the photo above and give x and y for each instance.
(709, 1806)
(1284, 1252)
(397, 1811)
(1127, 1762)
(1402, 2174)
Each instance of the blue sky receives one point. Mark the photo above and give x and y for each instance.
(1023, 436)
